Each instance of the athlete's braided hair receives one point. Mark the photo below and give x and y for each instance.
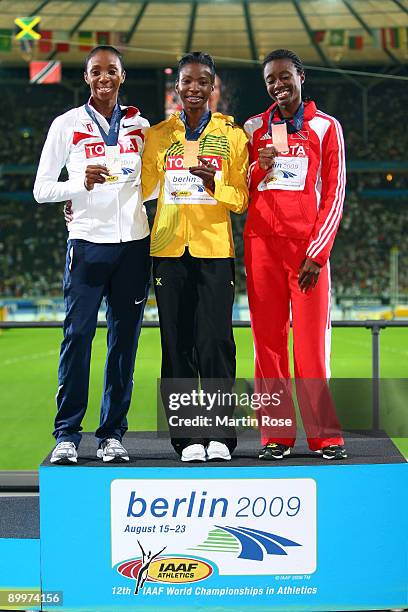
(290, 55)
(196, 57)
(284, 54)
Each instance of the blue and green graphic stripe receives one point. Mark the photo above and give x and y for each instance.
(219, 541)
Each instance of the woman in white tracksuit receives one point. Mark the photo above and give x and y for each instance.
(100, 143)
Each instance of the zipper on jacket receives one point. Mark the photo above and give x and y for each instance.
(119, 220)
(187, 238)
(117, 193)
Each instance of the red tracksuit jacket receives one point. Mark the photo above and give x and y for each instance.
(302, 196)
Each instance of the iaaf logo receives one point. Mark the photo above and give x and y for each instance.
(249, 544)
(176, 162)
(187, 194)
(279, 174)
(97, 149)
(152, 567)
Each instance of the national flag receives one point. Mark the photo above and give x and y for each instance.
(336, 38)
(44, 73)
(394, 38)
(384, 38)
(319, 35)
(5, 39)
(103, 38)
(45, 44)
(27, 28)
(355, 43)
(86, 40)
(403, 36)
(62, 41)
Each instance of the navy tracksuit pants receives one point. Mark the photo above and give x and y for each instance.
(119, 273)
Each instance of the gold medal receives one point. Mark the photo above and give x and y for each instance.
(191, 150)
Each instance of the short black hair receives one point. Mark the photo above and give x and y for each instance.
(284, 54)
(196, 57)
(109, 48)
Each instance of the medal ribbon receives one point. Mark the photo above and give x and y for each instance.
(194, 134)
(110, 138)
(295, 124)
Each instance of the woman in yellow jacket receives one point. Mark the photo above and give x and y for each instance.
(196, 162)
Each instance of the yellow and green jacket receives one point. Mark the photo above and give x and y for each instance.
(188, 215)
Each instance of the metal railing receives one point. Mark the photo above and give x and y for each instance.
(25, 482)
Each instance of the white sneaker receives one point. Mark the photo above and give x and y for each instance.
(112, 450)
(193, 452)
(217, 451)
(64, 452)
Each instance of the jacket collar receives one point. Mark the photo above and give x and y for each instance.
(310, 111)
(217, 123)
(131, 112)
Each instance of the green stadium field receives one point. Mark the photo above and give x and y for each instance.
(28, 374)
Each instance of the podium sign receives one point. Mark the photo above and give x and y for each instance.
(225, 538)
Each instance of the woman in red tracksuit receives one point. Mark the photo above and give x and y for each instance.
(297, 192)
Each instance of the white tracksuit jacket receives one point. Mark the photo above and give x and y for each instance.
(110, 212)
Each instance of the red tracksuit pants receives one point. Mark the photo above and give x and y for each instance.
(272, 264)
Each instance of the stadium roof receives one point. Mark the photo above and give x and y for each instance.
(156, 33)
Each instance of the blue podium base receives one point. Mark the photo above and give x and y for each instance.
(301, 534)
(19, 553)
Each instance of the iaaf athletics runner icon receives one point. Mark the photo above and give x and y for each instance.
(143, 572)
(155, 567)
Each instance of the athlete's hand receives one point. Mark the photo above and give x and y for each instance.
(308, 275)
(68, 212)
(266, 157)
(95, 174)
(206, 173)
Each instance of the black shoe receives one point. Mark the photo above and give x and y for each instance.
(273, 451)
(335, 451)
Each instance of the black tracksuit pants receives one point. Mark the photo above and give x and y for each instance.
(195, 296)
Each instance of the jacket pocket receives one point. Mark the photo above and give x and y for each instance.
(308, 209)
(290, 207)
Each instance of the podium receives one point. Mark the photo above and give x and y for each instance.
(20, 580)
(299, 534)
